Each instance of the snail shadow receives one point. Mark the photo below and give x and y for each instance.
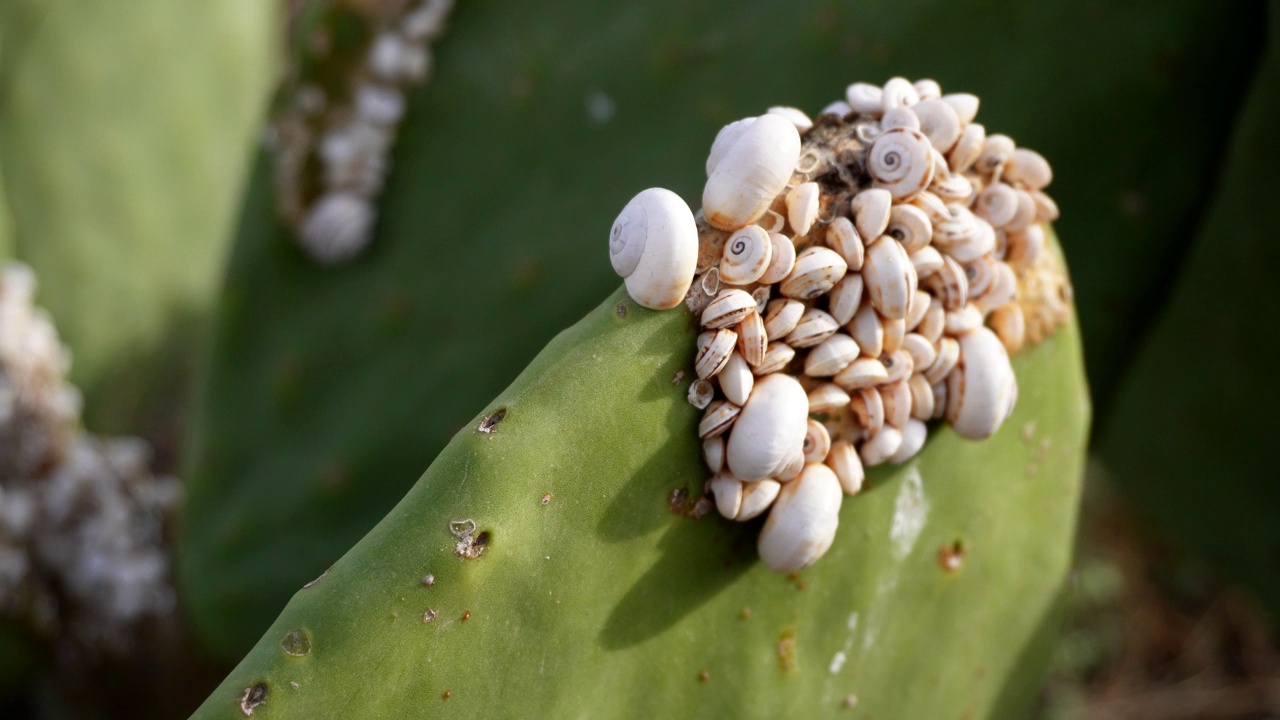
(643, 502)
(699, 559)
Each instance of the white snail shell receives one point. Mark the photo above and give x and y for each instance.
(881, 446)
(927, 89)
(1026, 214)
(919, 306)
(868, 410)
(736, 379)
(898, 92)
(729, 307)
(910, 226)
(1004, 286)
(844, 298)
(896, 398)
(831, 356)
(934, 322)
(751, 170)
(871, 212)
(890, 277)
(718, 418)
(948, 356)
(921, 397)
(839, 108)
(747, 254)
(817, 269)
(844, 239)
(752, 339)
(965, 105)
(1025, 246)
(757, 497)
(725, 138)
(817, 442)
(803, 521)
(771, 426)
(714, 348)
(844, 462)
(802, 207)
(897, 364)
(1046, 208)
(967, 149)
(1029, 168)
(781, 316)
(894, 331)
(966, 319)
(1009, 324)
(814, 327)
(727, 490)
(920, 349)
(865, 98)
(776, 357)
(795, 115)
(980, 385)
(900, 117)
(861, 373)
(654, 245)
(901, 161)
(914, 433)
(927, 260)
(996, 151)
(997, 204)
(867, 329)
(782, 259)
(713, 453)
(827, 397)
(939, 122)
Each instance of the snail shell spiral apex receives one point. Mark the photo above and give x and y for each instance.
(654, 246)
(901, 161)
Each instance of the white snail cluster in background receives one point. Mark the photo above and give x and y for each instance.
(856, 276)
(332, 148)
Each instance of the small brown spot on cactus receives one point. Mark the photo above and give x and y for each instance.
(787, 651)
(745, 614)
(490, 422)
(675, 380)
(678, 501)
(466, 615)
(468, 546)
(446, 694)
(546, 499)
(1029, 431)
(704, 676)
(621, 309)
(253, 698)
(296, 643)
(428, 580)
(951, 557)
(428, 616)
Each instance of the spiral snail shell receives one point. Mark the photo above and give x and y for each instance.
(898, 93)
(803, 522)
(910, 226)
(770, 427)
(871, 212)
(939, 122)
(890, 277)
(747, 254)
(980, 385)
(901, 161)
(782, 259)
(654, 245)
(965, 105)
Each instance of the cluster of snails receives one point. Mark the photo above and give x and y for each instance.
(332, 148)
(856, 276)
(82, 518)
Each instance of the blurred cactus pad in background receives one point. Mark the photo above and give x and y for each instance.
(128, 182)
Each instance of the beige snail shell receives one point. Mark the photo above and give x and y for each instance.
(871, 212)
(747, 254)
(750, 172)
(782, 259)
(803, 522)
(843, 460)
(802, 207)
(939, 122)
(901, 161)
(654, 245)
(771, 425)
(979, 387)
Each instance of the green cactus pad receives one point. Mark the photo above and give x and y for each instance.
(330, 388)
(125, 133)
(594, 594)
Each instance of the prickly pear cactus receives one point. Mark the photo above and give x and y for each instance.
(547, 560)
(125, 132)
(330, 388)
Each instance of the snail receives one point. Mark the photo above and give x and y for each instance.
(831, 356)
(796, 116)
(735, 379)
(844, 298)
(729, 307)
(967, 149)
(817, 270)
(939, 122)
(337, 227)
(782, 259)
(843, 238)
(861, 373)
(881, 446)
(910, 226)
(802, 207)
(781, 316)
(654, 246)
(747, 254)
(867, 329)
(770, 427)
(965, 105)
(802, 524)
(814, 327)
(718, 418)
(843, 460)
(827, 397)
(890, 277)
(898, 93)
(871, 212)
(901, 161)
(753, 167)
(753, 340)
(817, 442)
(980, 385)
